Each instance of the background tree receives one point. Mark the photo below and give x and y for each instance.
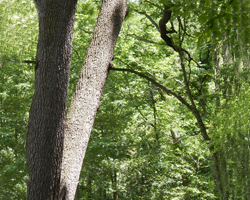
(206, 98)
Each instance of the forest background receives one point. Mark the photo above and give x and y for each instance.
(171, 125)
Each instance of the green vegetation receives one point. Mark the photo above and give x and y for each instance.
(166, 113)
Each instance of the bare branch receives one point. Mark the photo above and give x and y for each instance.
(29, 61)
(190, 57)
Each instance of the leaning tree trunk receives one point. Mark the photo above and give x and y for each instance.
(47, 113)
(87, 96)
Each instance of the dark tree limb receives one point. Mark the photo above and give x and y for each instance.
(29, 61)
(182, 27)
(202, 127)
(153, 81)
(195, 111)
(162, 24)
(197, 115)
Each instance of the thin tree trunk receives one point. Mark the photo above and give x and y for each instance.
(223, 184)
(47, 113)
(87, 96)
(100, 193)
(113, 178)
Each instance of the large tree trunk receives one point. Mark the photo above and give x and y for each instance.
(47, 114)
(87, 96)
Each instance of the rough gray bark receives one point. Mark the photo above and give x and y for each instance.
(47, 113)
(87, 96)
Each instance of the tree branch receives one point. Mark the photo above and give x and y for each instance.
(143, 116)
(149, 18)
(165, 89)
(194, 110)
(182, 27)
(76, 52)
(29, 61)
(162, 24)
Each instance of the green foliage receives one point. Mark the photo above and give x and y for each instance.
(139, 148)
(132, 152)
(132, 129)
(18, 30)
(232, 137)
(148, 164)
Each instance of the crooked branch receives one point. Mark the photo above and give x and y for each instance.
(162, 24)
(182, 27)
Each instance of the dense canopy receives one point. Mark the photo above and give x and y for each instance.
(174, 116)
